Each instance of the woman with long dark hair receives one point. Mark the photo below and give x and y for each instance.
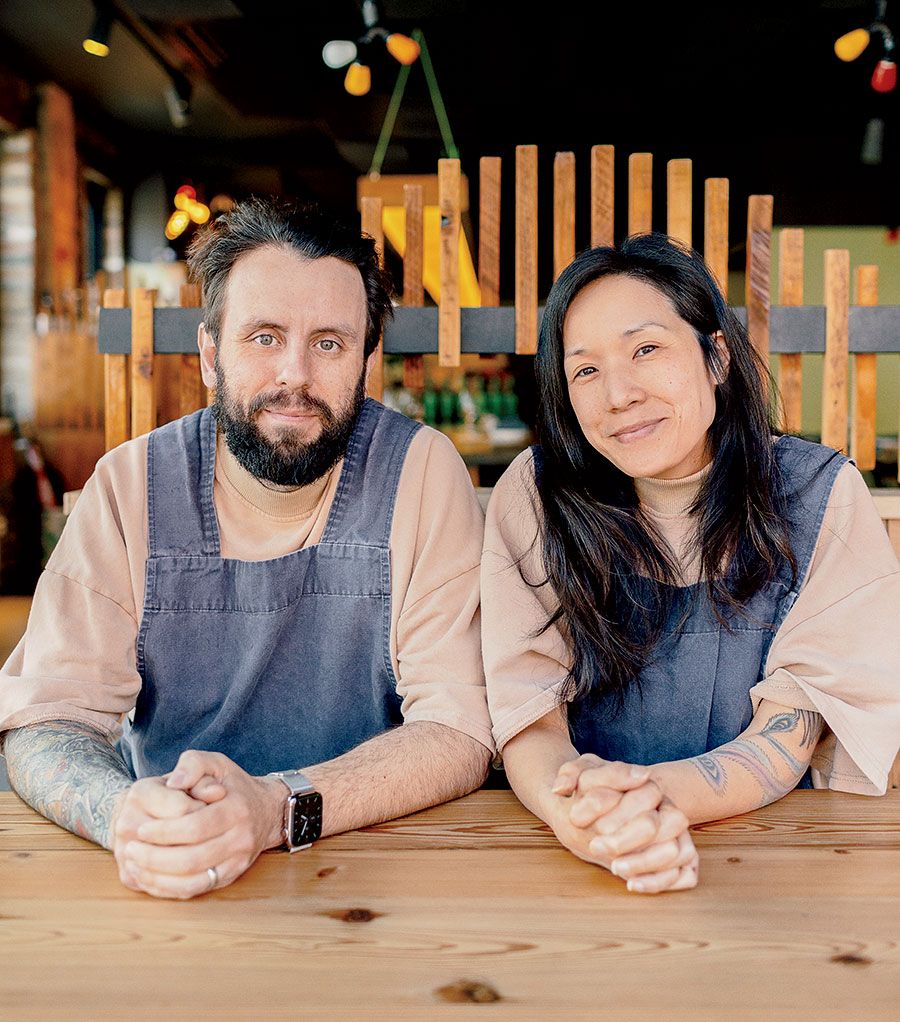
(685, 615)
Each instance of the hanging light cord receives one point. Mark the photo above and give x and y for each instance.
(437, 104)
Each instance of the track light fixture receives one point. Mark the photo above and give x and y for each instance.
(178, 100)
(96, 42)
(340, 53)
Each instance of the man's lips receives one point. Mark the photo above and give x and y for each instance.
(636, 430)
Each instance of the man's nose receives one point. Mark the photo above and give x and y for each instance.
(293, 368)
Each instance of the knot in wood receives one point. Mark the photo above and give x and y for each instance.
(468, 992)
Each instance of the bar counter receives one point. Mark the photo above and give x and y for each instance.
(469, 910)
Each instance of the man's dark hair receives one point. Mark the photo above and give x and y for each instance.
(309, 230)
(614, 579)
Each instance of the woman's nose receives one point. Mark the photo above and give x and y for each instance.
(622, 389)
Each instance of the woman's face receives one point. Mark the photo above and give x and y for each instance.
(637, 379)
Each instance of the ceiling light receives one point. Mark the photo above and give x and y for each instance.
(339, 52)
(884, 77)
(851, 45)
(402, 48)
(97, 41)
(358, 79)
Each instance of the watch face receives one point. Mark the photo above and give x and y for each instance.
(306, 819)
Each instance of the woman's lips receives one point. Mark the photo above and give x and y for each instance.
(637, 431)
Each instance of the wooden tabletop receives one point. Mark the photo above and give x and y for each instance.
(469, 910)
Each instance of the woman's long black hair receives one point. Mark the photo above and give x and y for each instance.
(614, 578)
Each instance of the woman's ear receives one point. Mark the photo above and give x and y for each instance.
(723, 357)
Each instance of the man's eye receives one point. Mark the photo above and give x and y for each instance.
(265, 340)
(328, 344)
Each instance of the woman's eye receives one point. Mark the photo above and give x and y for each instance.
(586, 371)
(645, 349)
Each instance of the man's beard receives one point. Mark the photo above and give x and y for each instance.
(287, 460)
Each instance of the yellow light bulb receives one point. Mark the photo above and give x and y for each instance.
(402, 48)
(199, 213)
(182, 201)
(96, 48)
(358, 79)
(177, 223)
(851, 45)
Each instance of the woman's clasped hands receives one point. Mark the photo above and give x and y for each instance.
(613, 814)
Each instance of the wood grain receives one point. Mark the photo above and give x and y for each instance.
(526, 249)
(602, 195)
(489, 230)
(116, 383)
(790, 292)
(143, 389)
(865, 390)
(370, 207)
(474, 902)
(413, 273)
(563, 211)
(448, 309)
(834, 368)
(759, 236)
(679, 207)
(715, 229)
(640, 193)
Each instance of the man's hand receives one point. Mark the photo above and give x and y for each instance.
(612, 814)
(207, 814)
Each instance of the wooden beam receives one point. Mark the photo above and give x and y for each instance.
(191, 391)
(143, 396)
(413, 274)
(759, 238)
(790, 292)
(640, 193)
(602, 195)
(834, 369)
(115, 372)
(715, 230)
(526, 249)
(489, 230)
(448, 307)
(563, 211)
(679, 201)
(865, 392)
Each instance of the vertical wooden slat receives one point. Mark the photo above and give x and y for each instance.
(526, 250)
(640, 193)
(143, 395)
(448, 308)
(489, 230)
(834, 370)
(715, 230)
(862, 423)
(679, 209)
(790, 292)
(602, 195)
(192, 393)
(58, 217)
(413, 270)
(115, 373)
(563, 211)
(370, 221)
(759, 238)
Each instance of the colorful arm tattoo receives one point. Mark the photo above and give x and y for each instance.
(764, 756)
(69, 773)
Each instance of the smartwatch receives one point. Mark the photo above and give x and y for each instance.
(302, 811)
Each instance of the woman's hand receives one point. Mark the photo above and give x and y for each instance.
(612, 814)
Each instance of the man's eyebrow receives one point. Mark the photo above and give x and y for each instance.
(344, 329)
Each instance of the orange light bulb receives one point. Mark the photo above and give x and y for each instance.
(402, 48)
(851, 45)
(178, 221)
(358, 79)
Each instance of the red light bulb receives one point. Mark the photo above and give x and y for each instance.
(884, 77)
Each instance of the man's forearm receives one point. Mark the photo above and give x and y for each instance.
(401, 771)
(758, 767)
(69, 773)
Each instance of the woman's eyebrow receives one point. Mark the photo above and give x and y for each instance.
(643, 326)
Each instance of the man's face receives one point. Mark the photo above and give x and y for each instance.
(288, 370)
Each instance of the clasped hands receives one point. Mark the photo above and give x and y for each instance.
(614, 815)
(198, 827)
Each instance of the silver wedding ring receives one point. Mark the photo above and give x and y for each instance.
(213, 877)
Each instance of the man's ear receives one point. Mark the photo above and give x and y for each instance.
(207, 348)
(370, 365)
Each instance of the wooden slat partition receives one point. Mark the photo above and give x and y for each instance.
(715, 229)
(143, 390)
(679, 219)
(448, 312)
(834, 370)
(640, 193)
(790, 292)
(862, 424)
(192, 393)
(371, 222)
(116, 380)
(489, 230)
(602, 195)
(413, 273)
(526, 249)
(563, 211)
(759, 234)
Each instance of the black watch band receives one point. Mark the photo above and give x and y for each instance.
(302, 810)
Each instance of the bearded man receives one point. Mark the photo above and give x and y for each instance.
(261, 622)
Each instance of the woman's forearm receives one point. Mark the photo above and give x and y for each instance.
(761, 765)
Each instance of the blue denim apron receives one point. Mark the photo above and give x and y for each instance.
(277, 664)
(695, 696)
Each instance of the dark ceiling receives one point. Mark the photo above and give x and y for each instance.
(749, 91)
